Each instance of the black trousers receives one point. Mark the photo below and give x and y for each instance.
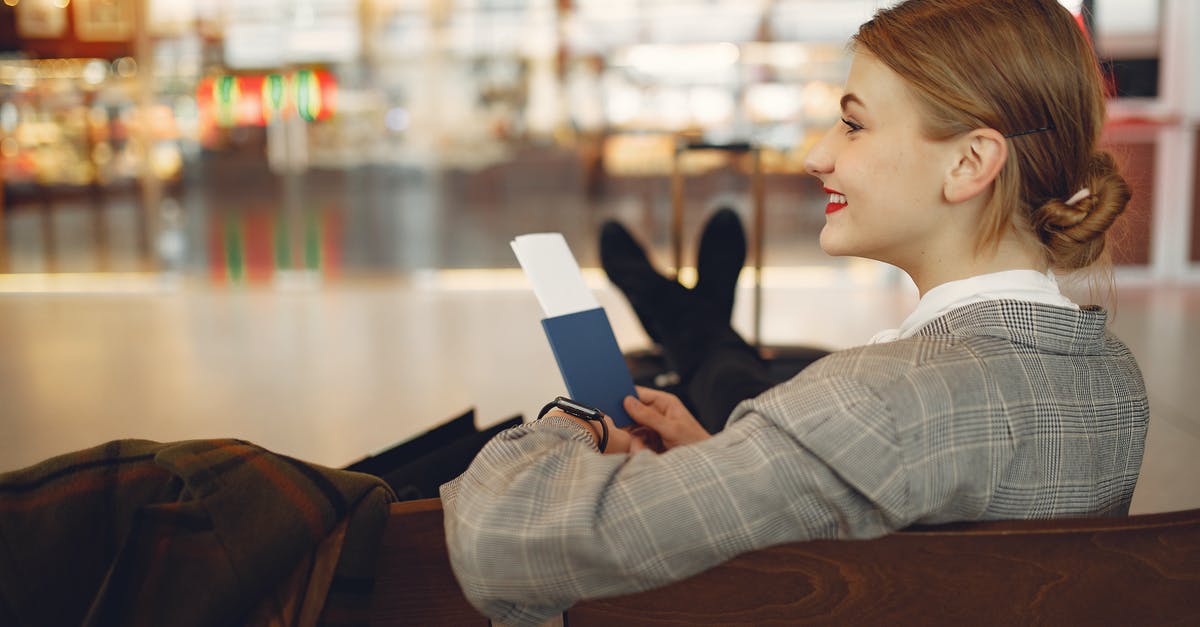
(731, 372)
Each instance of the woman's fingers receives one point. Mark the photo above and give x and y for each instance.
(650, 395)
(666, 415)
(662, 401)
(643, 413)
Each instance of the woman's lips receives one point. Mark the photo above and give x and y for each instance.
(837, 201)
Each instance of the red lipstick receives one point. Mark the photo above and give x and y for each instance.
(837, 201)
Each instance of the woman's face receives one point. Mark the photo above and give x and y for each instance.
(884, 179)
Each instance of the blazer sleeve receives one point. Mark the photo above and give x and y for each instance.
(540, 520)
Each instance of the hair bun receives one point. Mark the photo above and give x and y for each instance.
(1074, 233)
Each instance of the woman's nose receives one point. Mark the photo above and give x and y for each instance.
(820, 157)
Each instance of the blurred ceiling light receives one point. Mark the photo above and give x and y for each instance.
(778, 54)
(305, 16)
(62, 4)
(623, 104)
(690, 59)
(671, 108)
(397, 119)
(711, 105)
(11, 3)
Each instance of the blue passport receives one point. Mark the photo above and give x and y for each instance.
(590, 361)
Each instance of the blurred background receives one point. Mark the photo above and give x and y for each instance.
(245, 139)
(289, 220)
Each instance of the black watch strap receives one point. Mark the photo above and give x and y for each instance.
(579, 410)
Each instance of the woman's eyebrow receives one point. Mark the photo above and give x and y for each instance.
(848, 98)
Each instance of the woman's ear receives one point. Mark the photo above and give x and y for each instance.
(978, 157)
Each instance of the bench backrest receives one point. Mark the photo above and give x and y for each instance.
(1117, 571)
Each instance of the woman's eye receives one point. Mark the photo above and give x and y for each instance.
(853, 125)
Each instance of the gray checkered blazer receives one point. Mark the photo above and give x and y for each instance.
(1000, 409)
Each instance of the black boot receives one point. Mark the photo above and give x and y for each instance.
(627, 266)
(684, 325)
(720, 259)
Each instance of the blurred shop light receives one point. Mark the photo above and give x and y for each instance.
(11, 3)
(260, 34)
(257, 99)
(95, 71)
(274, 91)
(225, 94)
(9, 117)
(396, 119)
(773, 102)
(125, 67)
(711, 106)
(670, 110)
(310, 100)
(171, 18)
(820, 101)
(172, 241)
(26, 78)
(623, 104)
(166, 161)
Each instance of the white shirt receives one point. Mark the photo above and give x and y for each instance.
(1027, 285)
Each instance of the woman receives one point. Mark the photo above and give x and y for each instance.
(967, 157)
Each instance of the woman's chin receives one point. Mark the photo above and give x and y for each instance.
(830, 244)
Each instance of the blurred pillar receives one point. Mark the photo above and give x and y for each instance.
(3, 234)
(49, 234)
(151, 185)
(1175, 145)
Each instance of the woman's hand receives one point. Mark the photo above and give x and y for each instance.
(665, 414)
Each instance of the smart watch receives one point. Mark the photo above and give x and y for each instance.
(581, 411)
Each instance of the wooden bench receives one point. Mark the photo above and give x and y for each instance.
(1139, 570)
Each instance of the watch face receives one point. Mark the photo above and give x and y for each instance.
(575, 409)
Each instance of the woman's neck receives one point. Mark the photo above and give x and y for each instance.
(1011, 253)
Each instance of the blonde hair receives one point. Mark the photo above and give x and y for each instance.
(1025, 69)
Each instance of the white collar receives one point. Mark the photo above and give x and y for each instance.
(1025, 285)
